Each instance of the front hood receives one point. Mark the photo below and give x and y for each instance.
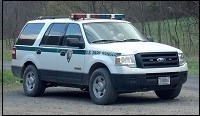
(133, 47)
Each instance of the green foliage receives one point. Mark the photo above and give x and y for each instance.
(193, 65)
(182, 33)
(7, 55)
(8, 77)
(6, 52)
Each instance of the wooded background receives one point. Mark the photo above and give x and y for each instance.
(175, 23)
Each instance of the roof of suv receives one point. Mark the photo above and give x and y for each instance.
(64, 20)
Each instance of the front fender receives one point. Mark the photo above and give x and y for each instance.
(106, 60)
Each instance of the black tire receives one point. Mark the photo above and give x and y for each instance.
(168, 94)
(32, 84)
(101, 88)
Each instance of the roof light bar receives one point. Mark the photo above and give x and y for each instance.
(78, 16)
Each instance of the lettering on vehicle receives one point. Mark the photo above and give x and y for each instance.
(101, 52)
(77, 68)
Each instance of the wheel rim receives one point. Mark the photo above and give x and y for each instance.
(30, 81)
(99, 87)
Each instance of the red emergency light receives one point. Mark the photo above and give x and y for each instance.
(78, 16)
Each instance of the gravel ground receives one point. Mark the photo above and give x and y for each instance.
(63, 100)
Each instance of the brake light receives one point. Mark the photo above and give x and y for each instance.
(14, 53)
(78, 16)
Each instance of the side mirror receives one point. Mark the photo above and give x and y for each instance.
(75, 41)
(151, 39)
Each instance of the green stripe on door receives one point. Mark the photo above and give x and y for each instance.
(54, 50)
(58, 50)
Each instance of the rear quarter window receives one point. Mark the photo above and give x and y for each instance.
(29, 33)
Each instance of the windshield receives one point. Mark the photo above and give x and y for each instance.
(112, 32)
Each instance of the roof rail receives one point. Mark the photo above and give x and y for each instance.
(51, 17)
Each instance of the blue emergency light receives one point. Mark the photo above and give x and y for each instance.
(78, 16)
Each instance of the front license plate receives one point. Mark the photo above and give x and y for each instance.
(163, 80)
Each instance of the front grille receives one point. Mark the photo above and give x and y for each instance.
(157, 60)
(156, 75)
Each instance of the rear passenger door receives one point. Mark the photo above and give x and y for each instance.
(71, 58)
(47, 52)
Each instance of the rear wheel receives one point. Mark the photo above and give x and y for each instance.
(32, 84)
(100, 87)
(168, 94)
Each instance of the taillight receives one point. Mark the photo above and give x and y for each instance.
(14, 53)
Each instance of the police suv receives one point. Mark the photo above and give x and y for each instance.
(99, 53)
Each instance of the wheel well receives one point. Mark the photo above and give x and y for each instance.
(24, 67)
(96, 66)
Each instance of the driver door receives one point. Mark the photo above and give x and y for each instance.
(71, 58)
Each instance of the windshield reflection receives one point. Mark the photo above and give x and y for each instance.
(112, 31)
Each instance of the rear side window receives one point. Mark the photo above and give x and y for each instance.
(54, 34)
(72, 30)
(30, 33)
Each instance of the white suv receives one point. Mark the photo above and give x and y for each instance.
(99, 53)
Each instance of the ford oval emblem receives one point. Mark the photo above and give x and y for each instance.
(161, 59)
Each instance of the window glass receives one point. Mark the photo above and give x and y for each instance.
(56, 33)
(57, 30)
(116, 31)
(30, 33)
(73, 29)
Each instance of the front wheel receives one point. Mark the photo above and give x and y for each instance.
(32, 84)
(100, 87)
(168, 94)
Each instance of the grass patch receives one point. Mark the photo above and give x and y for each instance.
(7, 55)
(193, 66)
(6, 52)
(9, 78)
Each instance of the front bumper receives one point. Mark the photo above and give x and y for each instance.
(146, 82)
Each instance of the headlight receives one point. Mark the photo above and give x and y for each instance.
(125, 61)
(181, 59)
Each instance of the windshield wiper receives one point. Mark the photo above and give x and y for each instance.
(127, 40)
(106, 40)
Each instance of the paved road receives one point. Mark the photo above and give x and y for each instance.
(63, 100)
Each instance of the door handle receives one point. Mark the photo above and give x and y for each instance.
(62, 53)
(38, 51)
